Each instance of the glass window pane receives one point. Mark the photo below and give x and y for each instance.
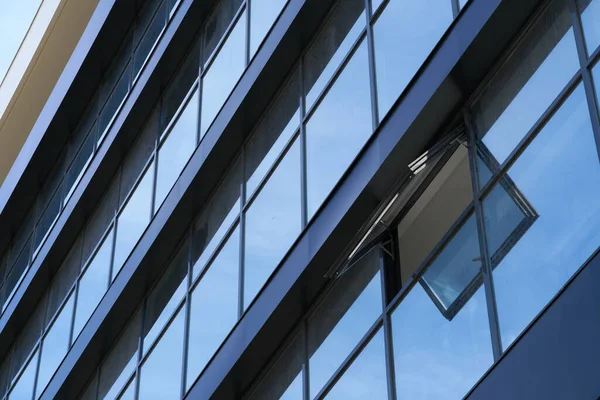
(160, 375)
(180, 86)
(138, 156)
(47, 219)
(23, 389)
(93, 284)
(79, 165)
(217, 25)
(216, 219)
(150, 37)
(375, 4)
(55, 346)
(555, 179)
(214, 307)
(343, 318)
(263, 14)
(28, 337)
(272, 134)
(366, 376)
(284, 378)
(177, 149)
(166, 296)
(15, 276)
(98, 223)
(403, 37)
(338, 129)
(129, 393)
(331, 46)
(527, 84)
(114, 102)
(223, 74)
(596, 77)
(4, 373)
(273, 222)
(590, 20)
(441, 328)
(134, 219)
(121, 361)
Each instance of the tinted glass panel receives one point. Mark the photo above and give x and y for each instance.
(273, 222)
(48, 218)
(150, 37)
(366, 376)
(216, 219)
(214, 307)
(166, 296)
(217, 24)
(223, 74)
(262, 16)
(23, 389)
(133, 219)
(121, 361)
(129, 393)
(79, 165)
(338, 129)
(14, 277)
(55, 346)
(441, 328)
(160, 375)
(331, 46)
(404, 35)
(342, 319)
(114, 102)
(176, 150)
(28, 338)
(527, 84)
(93, 284)
(556, 176)
(590, 20)
(272, 134)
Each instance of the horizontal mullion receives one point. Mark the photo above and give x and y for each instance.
(186, 99)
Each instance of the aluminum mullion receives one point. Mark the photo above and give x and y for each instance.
(387, 327)
(303, 156)
(187, 318)
(585, 73)
(247, 39)
(486, 265)
(305, 362)
(455, 8)
(140, 350)
(372, 71)
(242, 242)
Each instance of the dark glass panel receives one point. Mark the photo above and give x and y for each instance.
(151, 36)
(217, 25)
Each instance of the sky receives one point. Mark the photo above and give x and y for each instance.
(15, 19)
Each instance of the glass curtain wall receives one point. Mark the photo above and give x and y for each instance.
(86, 138)
(504, 220)
(142, 182)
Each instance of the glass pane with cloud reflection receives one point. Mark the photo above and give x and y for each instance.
(338, 129)
(558, 174)
(403, 36)
(590, 21)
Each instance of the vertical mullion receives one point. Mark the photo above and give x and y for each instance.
(585, 73)
(242, 228)
(155, 177)
(455, 8)
(305, 366)
(372, 75)
(248, 5)
(387, 326)
(140, 355)
(303, 157)
(187, 308)
(200, 68)
(486, 268)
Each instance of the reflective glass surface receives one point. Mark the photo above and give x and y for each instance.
(527, 84)
(262, 16)
(93, 284)
(23, 388)
(54, 346)
(223, 74)
(556, 175)
(213, 307)
(176, 150)
(150, 37)
(217, 25)
(114, 102)
(590, 20)
(273, 222)
(366, 376)
(441, 328)
(403, 36)
(342, 319)
(160, 375)
(133, 220)
(334, 42)
(338, 129)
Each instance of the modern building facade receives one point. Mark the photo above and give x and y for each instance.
(309, 199)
